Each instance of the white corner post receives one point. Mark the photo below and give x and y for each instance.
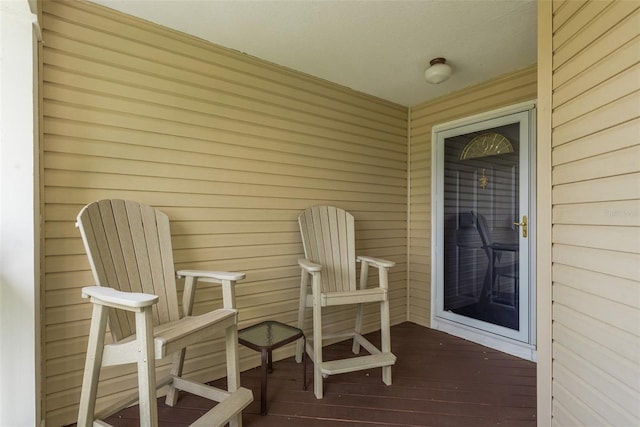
(20, 403)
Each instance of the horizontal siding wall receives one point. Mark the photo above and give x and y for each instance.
(500, 92)
(230, 147)
(596, 213)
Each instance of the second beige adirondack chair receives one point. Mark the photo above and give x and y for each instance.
(329, 269)
(129, 250)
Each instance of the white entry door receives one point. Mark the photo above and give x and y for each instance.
(483, 224)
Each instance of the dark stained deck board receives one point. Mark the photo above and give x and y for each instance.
(438, 380)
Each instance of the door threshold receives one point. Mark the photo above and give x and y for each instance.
(496, 342)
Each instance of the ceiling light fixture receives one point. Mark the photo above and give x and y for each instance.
(438, 72)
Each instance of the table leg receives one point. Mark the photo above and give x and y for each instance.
(263, 382)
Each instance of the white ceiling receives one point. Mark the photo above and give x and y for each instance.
(373, 46)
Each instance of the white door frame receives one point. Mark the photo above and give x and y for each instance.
(500, 342)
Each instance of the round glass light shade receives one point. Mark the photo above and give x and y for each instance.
(437, 72)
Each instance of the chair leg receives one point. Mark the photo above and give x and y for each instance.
(364, 276)
(355, 348)
(177, 365)
(385, 338)
(146, 369)
(302, 305)
(92, 366)
(317, 349)
(233, 367)
(176, 371)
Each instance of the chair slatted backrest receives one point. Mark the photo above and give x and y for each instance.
(129, 249)
(328, 238)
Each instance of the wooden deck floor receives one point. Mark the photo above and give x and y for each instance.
(438, 380)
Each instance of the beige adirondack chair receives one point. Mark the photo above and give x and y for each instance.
(329, 269)
(129, 249)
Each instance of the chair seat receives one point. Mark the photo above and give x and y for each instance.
(190, 330)
(353, 297)
(172, 336)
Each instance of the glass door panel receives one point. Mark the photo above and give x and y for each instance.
(483, 196)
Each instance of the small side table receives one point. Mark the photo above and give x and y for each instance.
(265, 337)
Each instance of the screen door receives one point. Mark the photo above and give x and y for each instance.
(483, 224)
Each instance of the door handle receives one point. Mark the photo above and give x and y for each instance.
(524, 226)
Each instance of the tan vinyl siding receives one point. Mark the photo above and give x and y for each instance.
(596, 213)
(500, 92)
(232, 148)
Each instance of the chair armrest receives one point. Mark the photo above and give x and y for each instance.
(214, 276)
(110, 297)
(376, 262)
(308, 266)
(381, 264)
(227, 279)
